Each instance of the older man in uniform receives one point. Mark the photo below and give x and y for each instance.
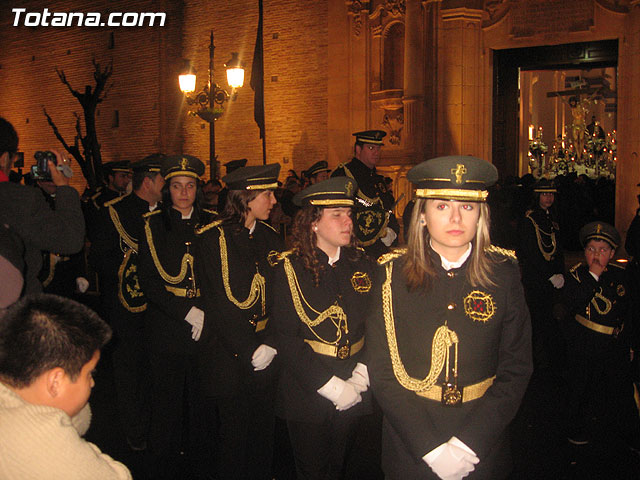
(374, 224)
(114, 256)
(596, 297)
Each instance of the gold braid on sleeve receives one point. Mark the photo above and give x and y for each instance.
(131, 242)
(258, 284)
(442, 340)
(334, 312)
(187, 259)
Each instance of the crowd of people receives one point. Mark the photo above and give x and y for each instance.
(228, 305)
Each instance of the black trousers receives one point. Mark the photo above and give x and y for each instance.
(175, 427)
(320, 449)
(243, 434)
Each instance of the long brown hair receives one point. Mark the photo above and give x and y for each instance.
(304, 240)
(236, 207)
(419, 269)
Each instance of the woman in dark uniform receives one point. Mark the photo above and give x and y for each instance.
(540, 255)
(449, 337)
(237, 353)
(174, 317)
(322, 290)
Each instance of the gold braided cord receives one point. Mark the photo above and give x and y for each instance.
(128, 239)
(453, 194)
(187, 260)
(258, 284)
(334, 312)
(547, 255)
(442, 340)
(360, 193)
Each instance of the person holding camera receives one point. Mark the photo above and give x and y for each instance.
(28, 214)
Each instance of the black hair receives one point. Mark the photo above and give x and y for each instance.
(8, 138)
(41, 332)
(139, 176)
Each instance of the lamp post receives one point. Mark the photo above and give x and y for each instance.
(209, 102)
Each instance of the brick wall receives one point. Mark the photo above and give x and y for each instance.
(28, 80)
(295, 66)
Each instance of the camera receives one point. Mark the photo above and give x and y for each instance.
(40, 171)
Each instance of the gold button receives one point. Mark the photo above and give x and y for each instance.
(451, 274)
(451, 306)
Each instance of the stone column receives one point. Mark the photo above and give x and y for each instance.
(413, 100)
(460, 82)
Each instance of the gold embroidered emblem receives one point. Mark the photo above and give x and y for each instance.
(184, 163)
(602, 310)
(349, 188)
(361, 282)
(598, 228)
(479, 306)
(621, 291)
(459, 171)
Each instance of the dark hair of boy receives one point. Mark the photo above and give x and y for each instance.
(41, 332)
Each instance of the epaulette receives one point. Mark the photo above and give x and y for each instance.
(208, 226)
(208, 210)
(392, 255)
(616, 265)
(267, 225)
(511, 254)
(115, 200)
(528, 213)
(275, 258)
(97, 194)
(154, 212)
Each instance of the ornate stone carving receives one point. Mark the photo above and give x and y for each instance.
(394, 121)
(357, 10)
(394, 7)
(495, 10)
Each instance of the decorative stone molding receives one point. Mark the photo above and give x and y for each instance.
(357, 9)
(494, 11)
(461, 13)
(394, 121)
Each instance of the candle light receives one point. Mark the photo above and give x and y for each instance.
(530, 132)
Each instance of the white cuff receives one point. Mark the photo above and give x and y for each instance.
(455, 441)
(332, 389)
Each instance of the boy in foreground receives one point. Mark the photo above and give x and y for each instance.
(49, 348)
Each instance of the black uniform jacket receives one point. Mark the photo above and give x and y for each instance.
(493, 328)
(93, 207)
(371, 187)
(605, 301)
(167, 276)
(108, 248)
(229, 336)
(61, 230)
(347, 283)
(536, 269)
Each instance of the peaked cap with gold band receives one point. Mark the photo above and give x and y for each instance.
(321, 166)
(335, 192)
(120, 166)
(544, 186)
(599, 231)
(182, 165)
(370, 136)
(453, 178)
(255, 177)
(150, 163)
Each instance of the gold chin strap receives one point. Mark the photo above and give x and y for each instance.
(258, 284)
(443, 339)
(334, 312)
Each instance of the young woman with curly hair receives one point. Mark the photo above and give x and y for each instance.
(322, 287)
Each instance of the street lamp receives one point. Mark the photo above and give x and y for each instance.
(210, 100)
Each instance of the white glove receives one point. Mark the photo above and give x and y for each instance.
(342, 394)
(360, 378)
(557, 280)
(262, 357)
(195, 318)
(82, 284)
(389, 237)
(452, 460)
